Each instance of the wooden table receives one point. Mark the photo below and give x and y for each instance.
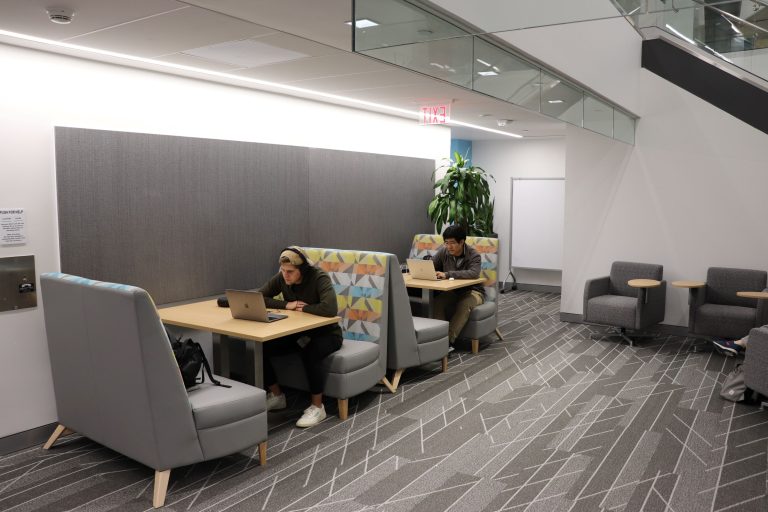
(207, 316)
(753, 295)
(689, 284)
(644, 284)
(428, 288)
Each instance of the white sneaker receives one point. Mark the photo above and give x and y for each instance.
(275, 402)
(312, 416)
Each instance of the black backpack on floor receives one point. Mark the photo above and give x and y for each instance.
(191, 360)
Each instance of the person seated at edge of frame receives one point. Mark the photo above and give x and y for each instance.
(455, 259)
(731, 348)
(304, 288)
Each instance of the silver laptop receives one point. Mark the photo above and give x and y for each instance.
(422, 269)
(249, 305)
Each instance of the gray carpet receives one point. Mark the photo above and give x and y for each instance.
(546, 420)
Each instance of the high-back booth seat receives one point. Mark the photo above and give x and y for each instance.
(361, 282)
(609, 300)
(116, 382)
(756, 360)
(716, 310)
(483, 320)
(412, 340)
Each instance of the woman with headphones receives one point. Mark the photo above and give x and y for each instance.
(309, 289)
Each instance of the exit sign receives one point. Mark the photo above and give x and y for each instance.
(435, 114)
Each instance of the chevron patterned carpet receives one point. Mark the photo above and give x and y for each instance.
(546, 420)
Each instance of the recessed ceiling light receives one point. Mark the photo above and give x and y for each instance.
(487, 73)
(363, 23)
(496, 68)
(246, 53)
(554, 101)
(437, 65)
(481, 61)
(485, 115)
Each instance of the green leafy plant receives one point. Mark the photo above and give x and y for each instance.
(462, 197)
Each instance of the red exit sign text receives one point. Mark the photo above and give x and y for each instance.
(435, 114)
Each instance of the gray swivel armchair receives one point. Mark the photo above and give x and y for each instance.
(756, 361)
(611, 301)
(716, 310)
(116, 382)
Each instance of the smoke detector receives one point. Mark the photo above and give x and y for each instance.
(60, 15)
(503, 122)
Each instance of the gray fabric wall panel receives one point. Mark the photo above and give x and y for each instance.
(186, 217)
(381, 200)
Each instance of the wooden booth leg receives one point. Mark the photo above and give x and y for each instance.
(475, 346)
(498, 333)
(387, 384)
(263, 453)
(445, 364)
(161, 487)
(60, 431)
(343, 408)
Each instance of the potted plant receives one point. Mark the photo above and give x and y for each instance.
(463, 197)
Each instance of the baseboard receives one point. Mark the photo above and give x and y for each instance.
(672, 330)
(33, 437)
(535, 288)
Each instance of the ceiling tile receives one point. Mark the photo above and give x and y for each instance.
(320, 20)
(342, 63)
(30, 17)
(172, 33)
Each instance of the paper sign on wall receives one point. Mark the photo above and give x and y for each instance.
(13, 229)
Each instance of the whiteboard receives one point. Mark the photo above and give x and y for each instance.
(536, 226)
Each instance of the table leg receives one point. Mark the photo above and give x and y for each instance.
(221, 342)
(428, 302)
(258, 364)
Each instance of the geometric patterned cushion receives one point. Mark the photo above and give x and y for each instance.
(358, 279)
(488, 248)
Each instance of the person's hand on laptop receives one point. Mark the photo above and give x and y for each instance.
(441, 275)
(296, 305)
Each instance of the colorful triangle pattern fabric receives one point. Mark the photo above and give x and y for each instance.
(359, 280)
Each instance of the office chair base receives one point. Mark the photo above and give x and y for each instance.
(622, 333)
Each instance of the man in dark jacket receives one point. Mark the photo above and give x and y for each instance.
(455, 259)
(308, 289)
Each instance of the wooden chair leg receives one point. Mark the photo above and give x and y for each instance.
(263, 453)
(343, 408)
(60, 431)
(388, 384)
(498, 333)
(475, 346)
(396, 377)
(445, 364)
(161, 487)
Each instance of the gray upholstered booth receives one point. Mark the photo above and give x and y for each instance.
(716, 310)
(116, 382)
(609, 300)
(756, 361)
(483, 320)
(411, 340)
(361, 282)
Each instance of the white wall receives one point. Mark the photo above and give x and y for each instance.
(40, 91)
(691, 194)
(542, 158)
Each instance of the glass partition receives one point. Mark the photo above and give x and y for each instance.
(561, 100)
(407, 35)
(598, 116)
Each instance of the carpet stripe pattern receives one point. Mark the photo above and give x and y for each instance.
(546, 420)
